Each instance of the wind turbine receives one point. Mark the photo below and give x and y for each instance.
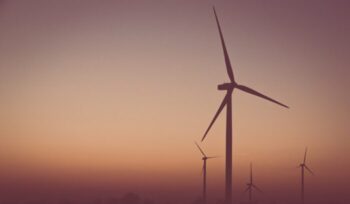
(303, 167)
(227, 101)
(204, 172)
(251, 185)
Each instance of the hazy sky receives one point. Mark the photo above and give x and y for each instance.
(116, 92)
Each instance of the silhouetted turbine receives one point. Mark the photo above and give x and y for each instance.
(204, 172)
(251, 185)
(229, 87)
(303, 167)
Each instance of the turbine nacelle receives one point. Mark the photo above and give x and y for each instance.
(227, 86)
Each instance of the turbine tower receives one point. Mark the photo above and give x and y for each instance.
(251, 186)
(204, 172)
(303, 167)
(227, 101)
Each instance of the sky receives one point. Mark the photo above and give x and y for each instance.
(112, 95)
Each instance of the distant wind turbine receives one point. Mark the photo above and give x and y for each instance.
(204, 172)
(229, 87)
(303, 167)
(251, 186)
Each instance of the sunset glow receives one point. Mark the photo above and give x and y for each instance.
(109, 96)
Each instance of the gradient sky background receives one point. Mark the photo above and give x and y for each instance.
(112, 94)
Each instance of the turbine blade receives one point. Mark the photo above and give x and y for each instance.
(307, 168)
(222, 105)
(200, 149)
(305, 155)
(251, 91)
(246, 190)
(227, 59)
(256, 188)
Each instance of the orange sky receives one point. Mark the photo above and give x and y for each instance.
(103, 92)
